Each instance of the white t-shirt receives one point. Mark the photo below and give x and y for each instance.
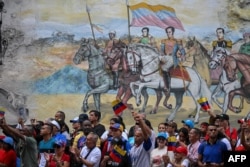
(94, 156)
(227, 142)
(140, 155)
(156, 157)
(184, 163)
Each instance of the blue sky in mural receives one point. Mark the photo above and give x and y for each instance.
(46, 29)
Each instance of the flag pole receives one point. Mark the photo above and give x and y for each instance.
(129, 38)
(90, 22)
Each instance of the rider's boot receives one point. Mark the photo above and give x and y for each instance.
(115, 79)
(167, 80)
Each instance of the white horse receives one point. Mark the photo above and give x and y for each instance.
(151, 78)
(225, 86)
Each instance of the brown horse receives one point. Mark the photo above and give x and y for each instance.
(233, 63)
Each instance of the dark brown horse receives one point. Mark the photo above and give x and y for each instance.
(233, 63)
(126, 77)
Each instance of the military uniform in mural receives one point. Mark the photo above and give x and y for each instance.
(220, 42)
(169, 56)
(146, 38)
(111, 58)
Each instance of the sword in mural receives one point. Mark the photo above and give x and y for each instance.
(90, 22)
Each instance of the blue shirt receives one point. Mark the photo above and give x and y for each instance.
(212, 153)
(46, 146)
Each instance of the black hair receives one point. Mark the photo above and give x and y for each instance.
(62, 113)
(96, 113)
(145, 28)
(185, 132)
(197, 131)
(222, 29)
(170, 27)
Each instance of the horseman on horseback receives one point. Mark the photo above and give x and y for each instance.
(111, 58)
(170, 56)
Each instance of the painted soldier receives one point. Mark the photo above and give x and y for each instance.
(220, 42)
(170, 51)
(146, 38)
(111, 57)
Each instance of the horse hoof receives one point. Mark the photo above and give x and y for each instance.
(152, 112)
(236, 110)
(191, 116)
(168, 106)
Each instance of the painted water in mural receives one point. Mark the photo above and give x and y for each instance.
(80, 55)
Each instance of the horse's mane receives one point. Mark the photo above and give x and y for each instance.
(241, 57)
(203, 49)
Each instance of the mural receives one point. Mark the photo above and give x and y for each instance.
(55, 56)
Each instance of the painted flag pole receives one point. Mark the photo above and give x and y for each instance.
(90, 22)
(129, 38)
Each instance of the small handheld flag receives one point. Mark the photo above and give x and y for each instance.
(2, 112)
(118, 107)
(204, 103)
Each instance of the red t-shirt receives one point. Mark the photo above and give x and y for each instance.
(8, 158)
(232, 133)
(65, 158)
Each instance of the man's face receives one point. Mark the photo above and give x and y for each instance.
(76, 125)
(45, 130)
(111, 35)
(90, 141)
(86, 125)
(220, 34)
(116, 133)
(144, 32)
(92, 117)
(169, 33)
(192, 135)
(58, 116)
(138, 137)
(212, 131)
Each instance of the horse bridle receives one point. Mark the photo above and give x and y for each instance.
(220, 59)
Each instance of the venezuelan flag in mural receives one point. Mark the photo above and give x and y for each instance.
(161, 16)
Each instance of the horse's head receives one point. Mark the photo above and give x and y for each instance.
(190, 43)
(230, 68)
(133, 59)
(83, 52)
(217, 57)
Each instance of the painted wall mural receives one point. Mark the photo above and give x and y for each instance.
(55, 55)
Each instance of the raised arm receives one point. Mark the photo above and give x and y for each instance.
(12, 131)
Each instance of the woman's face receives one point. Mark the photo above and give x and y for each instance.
(161, 142)
(182, 137)
(161, 128)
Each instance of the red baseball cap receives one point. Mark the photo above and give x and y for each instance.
(2, 137)
(181, 149)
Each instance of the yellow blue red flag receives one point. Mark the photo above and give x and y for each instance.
(118, 107)
(161, 16)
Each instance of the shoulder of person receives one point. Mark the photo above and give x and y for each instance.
(214, 43)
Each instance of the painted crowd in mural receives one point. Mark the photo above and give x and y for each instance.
(157, 55)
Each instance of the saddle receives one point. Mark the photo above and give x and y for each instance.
(179, 72)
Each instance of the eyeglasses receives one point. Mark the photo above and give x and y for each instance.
(212, 130)
(56, 146)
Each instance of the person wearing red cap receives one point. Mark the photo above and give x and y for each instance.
(180, 158)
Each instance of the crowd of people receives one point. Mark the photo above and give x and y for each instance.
(49, 143)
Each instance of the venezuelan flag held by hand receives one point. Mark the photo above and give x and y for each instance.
(115, 157)
(204, 103)
(2, 112)
(118, 107)
(161, 16)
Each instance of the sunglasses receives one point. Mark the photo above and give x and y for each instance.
(56, 146)
(212, 130)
